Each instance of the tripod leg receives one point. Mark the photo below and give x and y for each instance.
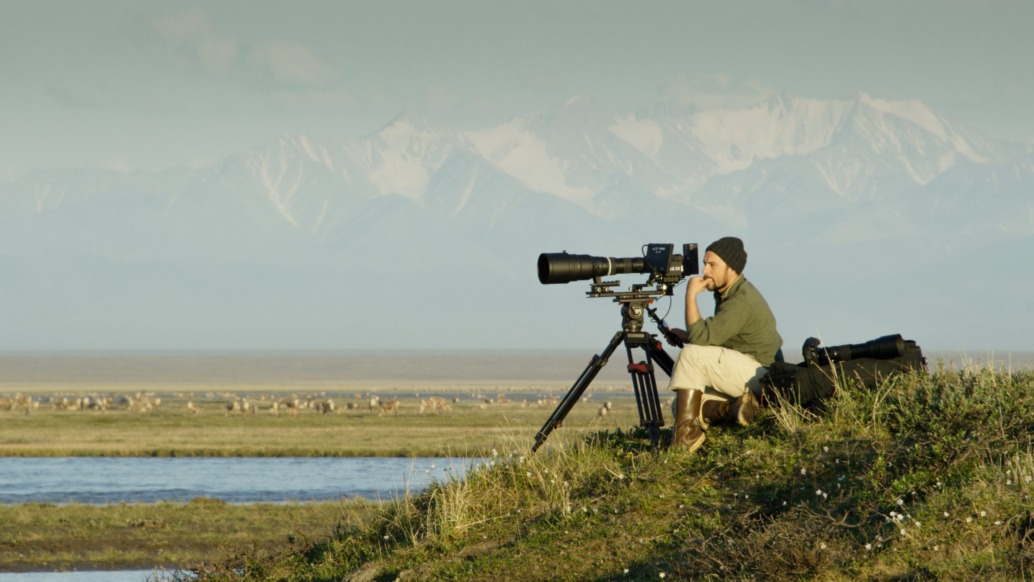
(576, 391)
(644, 383)
(655, 401)
(656, 351)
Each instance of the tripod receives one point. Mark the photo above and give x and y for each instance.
(644, 384)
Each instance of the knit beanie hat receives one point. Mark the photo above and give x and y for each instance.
(730, 249)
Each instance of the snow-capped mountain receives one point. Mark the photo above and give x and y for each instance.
(424, 236)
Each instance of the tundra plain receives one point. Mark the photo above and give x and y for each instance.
(223, 405)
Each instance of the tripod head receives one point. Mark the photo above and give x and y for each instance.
(633, 302)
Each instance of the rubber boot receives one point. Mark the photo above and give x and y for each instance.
(713, 410)
(689, 434)
(744, 409)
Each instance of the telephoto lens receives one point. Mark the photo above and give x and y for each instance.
(884, 348)
(564, 267)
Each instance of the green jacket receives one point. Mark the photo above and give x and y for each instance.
(742, 321)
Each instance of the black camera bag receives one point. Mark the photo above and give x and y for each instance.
(808, 383)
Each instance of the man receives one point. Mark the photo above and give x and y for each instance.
(718, 373)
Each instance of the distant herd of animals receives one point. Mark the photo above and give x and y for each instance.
(235, 405)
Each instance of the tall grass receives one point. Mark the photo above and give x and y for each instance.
(924, 477)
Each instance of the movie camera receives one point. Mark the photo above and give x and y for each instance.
(666, 269)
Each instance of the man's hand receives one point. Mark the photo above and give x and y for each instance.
(698, 284)
(695, 286)
(677, 337)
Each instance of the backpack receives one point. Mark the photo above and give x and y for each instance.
(808, 383)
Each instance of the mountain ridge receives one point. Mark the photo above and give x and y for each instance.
(415, 213)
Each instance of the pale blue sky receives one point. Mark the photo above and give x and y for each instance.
(148, 85)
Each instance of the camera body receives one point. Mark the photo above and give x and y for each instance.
(669, 268)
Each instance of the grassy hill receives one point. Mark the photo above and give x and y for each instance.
(926, 477)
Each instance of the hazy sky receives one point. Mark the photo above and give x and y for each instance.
(148, 85)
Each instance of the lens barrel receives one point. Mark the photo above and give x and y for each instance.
(884, 348)
(564, 268)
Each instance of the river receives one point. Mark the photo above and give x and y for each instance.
(104, 480)
(234, 480)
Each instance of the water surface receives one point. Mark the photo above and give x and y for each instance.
(83, 576)
(103, 480)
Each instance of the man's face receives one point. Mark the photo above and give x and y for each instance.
(717, 275)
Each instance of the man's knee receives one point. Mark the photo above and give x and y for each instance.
(692, 356)
(688, 372)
